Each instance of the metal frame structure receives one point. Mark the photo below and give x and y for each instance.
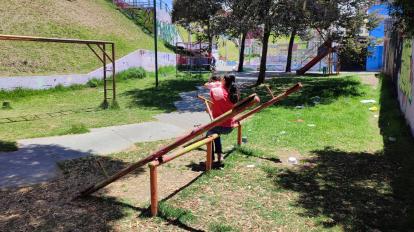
(192, 55)
(104, 57)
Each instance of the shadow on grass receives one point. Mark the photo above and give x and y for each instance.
(256, 154)
(48, 206)
(360, 191)
(320, 90)
(164, 96)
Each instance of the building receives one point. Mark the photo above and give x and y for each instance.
(375, 60)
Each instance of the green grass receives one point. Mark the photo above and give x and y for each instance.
(169, 212)
(350, 177)
(76, 129)
(220, 227)
(138, 101)
(95, 19)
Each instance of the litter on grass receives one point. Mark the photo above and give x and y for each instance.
(250, 166)
(316, 100)
(392, 139)
(368, 101)
(373, 109)
(293, 160)
(299, 107)
(311, 125)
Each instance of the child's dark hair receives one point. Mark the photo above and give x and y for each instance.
(215, 78)
(230, 84)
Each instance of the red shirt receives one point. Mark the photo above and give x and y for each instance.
(221, 104)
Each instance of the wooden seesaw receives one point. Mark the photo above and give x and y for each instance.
(159, 157)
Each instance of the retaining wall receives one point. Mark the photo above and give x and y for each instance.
(139, 58)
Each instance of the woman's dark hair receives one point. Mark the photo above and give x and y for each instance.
(230, 84)
(215, 78)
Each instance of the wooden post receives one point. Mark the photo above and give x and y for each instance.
(209, 158)
(154, 190)
(104, 75)
(239, 134)
(113, 74)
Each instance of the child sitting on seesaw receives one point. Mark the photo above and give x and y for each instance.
(215, 81)
(223, 98)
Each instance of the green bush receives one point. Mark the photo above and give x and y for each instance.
(93, 83)
(7, 146)
(132, 73)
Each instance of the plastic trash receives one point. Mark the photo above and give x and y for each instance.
(373, 109)
(250, 166)
(368, 101)
(392, 139)
(316, 100)
(292, 160)
(244, 139)
(299, 107)
(311, 125)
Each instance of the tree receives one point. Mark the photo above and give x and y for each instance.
(240, 18)
(269, 14)
(403, 11)
(200, 15)
(296, 23)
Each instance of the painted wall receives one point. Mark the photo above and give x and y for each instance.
(406, 83)
(399, 65)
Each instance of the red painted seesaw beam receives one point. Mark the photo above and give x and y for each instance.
(238, 109)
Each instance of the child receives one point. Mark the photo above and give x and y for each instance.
(223, 97)
(215, 81)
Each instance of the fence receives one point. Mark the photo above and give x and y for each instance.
(399, 65)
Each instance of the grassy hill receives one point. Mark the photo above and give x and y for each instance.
(91, 19)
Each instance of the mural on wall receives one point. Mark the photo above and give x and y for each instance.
(405, 82)
(168, 32)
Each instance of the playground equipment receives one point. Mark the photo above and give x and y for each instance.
(193, 57)
(324, 50)
(161, 157)
(103, 47)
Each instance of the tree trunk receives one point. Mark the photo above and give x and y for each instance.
(242, 48)
(210, 41)
(263, 61)
(290, 51)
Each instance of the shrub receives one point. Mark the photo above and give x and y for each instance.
(132, 73)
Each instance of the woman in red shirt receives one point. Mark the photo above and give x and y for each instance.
(223, 98)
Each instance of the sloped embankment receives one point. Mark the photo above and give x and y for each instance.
(92, 19)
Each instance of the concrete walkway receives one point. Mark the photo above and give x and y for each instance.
(36, 160)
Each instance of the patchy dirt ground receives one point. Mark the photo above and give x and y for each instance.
(49, 207)
(371, 80)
